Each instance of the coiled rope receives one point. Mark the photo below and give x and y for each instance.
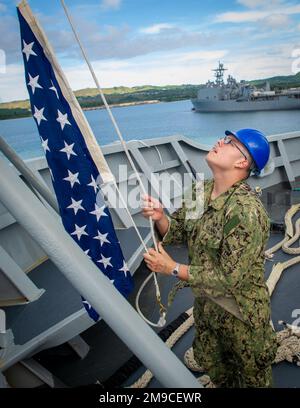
(289, 338)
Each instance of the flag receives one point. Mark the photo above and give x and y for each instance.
(74, 157)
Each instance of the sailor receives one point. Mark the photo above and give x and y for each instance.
(234, 341)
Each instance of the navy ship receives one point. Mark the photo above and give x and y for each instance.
(234, 96)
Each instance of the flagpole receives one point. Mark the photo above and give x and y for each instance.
(122, 142)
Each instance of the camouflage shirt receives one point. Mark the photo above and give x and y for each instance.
(226, 245)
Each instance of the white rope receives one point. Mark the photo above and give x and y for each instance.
(126, 152)
(159, 156)
(162, 319)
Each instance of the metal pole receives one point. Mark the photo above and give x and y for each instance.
(28, 174)
(86, 278)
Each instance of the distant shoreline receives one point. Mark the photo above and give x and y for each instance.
(121, 105)
(115, 105)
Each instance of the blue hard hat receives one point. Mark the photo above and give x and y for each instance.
(256, 143)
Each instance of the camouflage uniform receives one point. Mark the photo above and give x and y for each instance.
(226, 252)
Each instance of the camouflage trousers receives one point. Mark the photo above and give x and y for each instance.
(233, 354)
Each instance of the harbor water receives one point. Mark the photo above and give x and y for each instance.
(155, 121)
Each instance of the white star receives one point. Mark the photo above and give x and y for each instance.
(39, 114)
(124, 268)
(99, 212)
(105, 261)
(54, 89)
(28, 50)
(76, 206)
(79, 231)
(62, 119)
(33, 82)
(72, 178)
(68, 149)
(102, 238)
(87, 253)
(94, 184)
(89, 306)
(45, 145)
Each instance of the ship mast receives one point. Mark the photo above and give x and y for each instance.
(219, 74)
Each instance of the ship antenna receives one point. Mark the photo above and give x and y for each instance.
(219, 74)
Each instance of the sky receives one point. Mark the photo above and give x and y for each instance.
(157, 42)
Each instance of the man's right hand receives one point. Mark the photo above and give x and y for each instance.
(152, 208)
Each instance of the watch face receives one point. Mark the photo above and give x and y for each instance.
(175, 271)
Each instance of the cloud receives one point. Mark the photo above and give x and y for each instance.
(110, 4)
(156, 28)
(197, 56)
(174, 67)
(12, 83)
(160, 53)
(251, 3)
(264, 65)
(240, 16)
(101, 43)
(171, 68)
(255, 15)
(186, 67)
(122, 42)
(259, 3)
(277, 21)
(10, 38)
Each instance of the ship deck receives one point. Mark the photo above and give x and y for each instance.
(107, 352)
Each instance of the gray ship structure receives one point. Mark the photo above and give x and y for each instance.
(234, 96)
(46, 337)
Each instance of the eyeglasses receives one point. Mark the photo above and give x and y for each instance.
(228, 140)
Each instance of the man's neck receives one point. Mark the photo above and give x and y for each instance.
(222, 183)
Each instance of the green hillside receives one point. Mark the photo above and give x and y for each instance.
(280, 82)
(89, 98)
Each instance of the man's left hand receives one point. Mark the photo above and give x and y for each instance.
(160, 262)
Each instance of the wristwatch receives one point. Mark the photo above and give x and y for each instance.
(175, 271)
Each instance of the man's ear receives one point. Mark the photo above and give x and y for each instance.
(241, 163)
